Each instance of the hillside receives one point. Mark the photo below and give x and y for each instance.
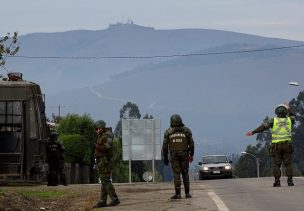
(219, 97)
(116, 40)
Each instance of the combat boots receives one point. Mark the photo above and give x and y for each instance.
(115, 201)
(177, 194)
(187, 193)
(289, 181)
(188, 196)
(277, 183)
(100, 204)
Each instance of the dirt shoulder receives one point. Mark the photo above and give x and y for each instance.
(138, 196)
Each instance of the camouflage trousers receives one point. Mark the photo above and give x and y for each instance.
(180, 166)
(282, 153)
(105, 169)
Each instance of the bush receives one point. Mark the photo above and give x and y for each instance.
(77, 150)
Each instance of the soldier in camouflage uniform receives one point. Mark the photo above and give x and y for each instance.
(281, 149)
(104, 156)
(55, 159)
(178, 142)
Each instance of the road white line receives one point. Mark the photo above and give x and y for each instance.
(217, 200)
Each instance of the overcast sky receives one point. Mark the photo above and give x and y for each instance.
(271, 18)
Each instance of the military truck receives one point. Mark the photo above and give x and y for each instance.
(23, 130)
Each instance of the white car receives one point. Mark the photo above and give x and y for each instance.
(215, 166)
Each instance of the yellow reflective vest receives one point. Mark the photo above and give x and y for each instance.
(281, 130)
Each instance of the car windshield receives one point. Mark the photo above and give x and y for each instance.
(215, 159)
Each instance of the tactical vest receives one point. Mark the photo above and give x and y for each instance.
(281, 130)
(54, 150)
(178, 141)
(101, 149)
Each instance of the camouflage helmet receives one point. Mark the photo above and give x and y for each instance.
(176, 121)
(281, 109)
(100, 124)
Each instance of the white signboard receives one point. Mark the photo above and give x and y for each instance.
(141, 139)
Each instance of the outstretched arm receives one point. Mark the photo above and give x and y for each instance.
(259, 129)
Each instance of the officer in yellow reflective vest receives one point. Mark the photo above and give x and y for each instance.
(281, 149)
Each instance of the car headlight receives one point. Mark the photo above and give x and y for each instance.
(227, 167)
(205, 168)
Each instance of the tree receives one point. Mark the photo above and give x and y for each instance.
(8, 47)
(120, 170)
(297, 106)
(77, 149)
(246, 166)
(128, 111)
(148, 116)
(79, 132)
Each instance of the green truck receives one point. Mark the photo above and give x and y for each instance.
(23, 130)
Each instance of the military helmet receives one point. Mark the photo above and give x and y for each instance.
(176, 121)
(100, 124)
(54, 135)
(281, 109)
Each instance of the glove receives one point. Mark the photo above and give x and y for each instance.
(190, 159)
(166, 161)
(249, 133)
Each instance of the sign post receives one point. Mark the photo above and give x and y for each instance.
(141, 141)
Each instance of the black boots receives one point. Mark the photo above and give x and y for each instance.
(115, 201)
(289, 181)
(103, 202)
(177, 194)
(277, 183)
(187, 193)
(100, 204)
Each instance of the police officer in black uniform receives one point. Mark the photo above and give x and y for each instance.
(55, 159)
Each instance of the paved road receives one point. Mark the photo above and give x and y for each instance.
(253, 194)
(248, 195)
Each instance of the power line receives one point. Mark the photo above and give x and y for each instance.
(157, 56)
